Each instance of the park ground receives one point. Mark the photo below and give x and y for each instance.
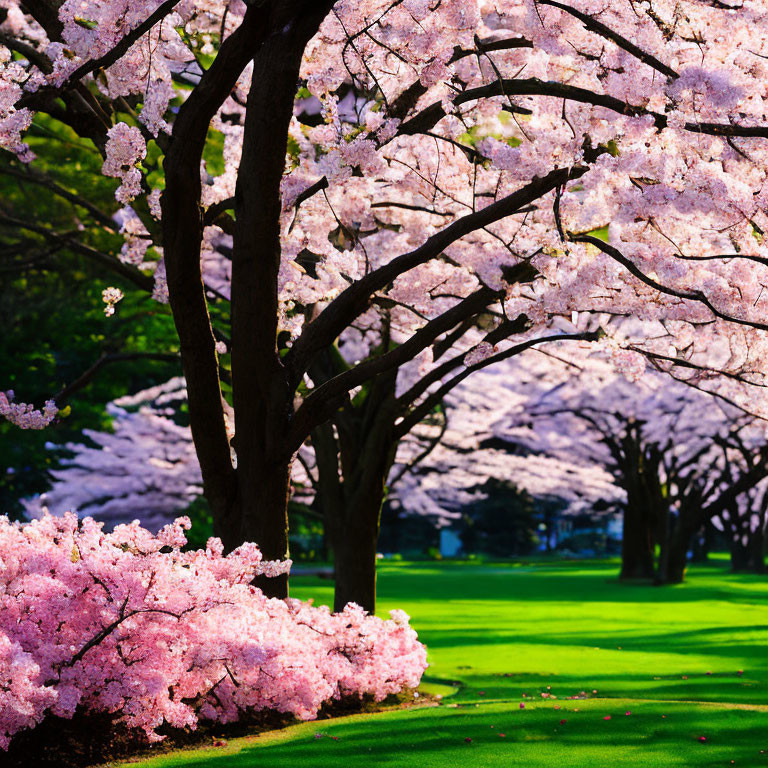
(665, 676)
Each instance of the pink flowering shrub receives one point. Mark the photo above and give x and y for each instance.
(127, 623)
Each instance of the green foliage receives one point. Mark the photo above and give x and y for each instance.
(474, 134)
(502, 524)
(601, 233)
(52, 312)
(214, 152)
(306, 540)
(199, 512)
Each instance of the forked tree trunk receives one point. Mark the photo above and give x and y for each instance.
(249, 503)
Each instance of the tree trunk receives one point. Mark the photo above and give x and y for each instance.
(261, 388)
(328, 493)
(354, 454)
(739, 554)
(264, 490)
(665, 541)
(356, 531)
(639, 471)
(679, 541)
(747, 546)
(678, 560)
(702, 543)
(757, 550)
(351, 513)
(636, 544)
(355, 559)
(748, 556)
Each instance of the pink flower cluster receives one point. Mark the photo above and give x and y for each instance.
(125, 148)
(24, 415)
(127, 623)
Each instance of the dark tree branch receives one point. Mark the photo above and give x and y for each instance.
(746, 482)
(354, 300)
(697, 296)
(40, 60)
(33, 176)
(405, 101)
(443, 345)
(126, 271)
(503, 331)
(410, 207)
(122, 47)
(418, 413)
(431, 115)
(683, 363)
(313, 189)
(315, 407)
(593, 25)
(46, 14)
(416, 460)
(105, 360)
(212, 212)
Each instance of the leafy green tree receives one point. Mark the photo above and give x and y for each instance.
(54, 247)
(501, 523)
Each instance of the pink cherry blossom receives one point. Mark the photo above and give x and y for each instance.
(24, 415)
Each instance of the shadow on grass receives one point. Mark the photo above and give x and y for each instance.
(724, 689)
(688, 642)
(533, 737)
(557, 585)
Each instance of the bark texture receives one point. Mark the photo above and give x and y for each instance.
(249, 498)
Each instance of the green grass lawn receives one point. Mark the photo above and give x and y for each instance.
(660, 668)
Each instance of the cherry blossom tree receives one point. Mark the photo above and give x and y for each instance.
(424, 180)
(471, 451)
(743, 522)
(356, 449)
(682, 456)
(146, 463)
